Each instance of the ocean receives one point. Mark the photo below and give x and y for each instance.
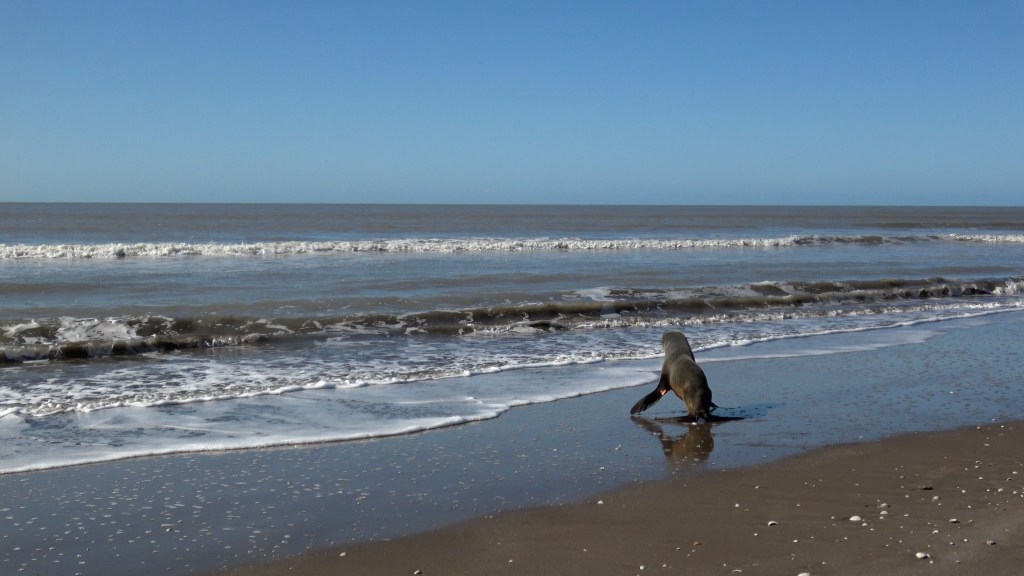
(141, 329)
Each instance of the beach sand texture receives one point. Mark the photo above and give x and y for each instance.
(931, 503)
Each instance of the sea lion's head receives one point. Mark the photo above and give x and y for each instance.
(673, 339)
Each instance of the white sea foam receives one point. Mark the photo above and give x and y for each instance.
(990, 238)
(1012, 287)
(16, 329)
(309, 416)
(86, 329)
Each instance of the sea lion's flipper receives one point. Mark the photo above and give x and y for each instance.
(648, 400)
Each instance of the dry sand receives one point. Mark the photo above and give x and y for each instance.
(929, 503)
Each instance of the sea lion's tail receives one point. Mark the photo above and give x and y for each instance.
(648, 400)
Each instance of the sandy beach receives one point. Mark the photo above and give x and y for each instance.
(913, 430)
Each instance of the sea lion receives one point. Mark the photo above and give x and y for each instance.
(680, 374)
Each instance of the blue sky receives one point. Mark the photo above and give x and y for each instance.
(780, 102)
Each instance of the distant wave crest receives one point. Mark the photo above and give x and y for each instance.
(452, 245)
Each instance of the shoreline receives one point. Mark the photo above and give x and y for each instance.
(921, 503)
(254, 511)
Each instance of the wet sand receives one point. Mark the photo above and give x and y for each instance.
(525, 487)
(927, 503)
(825, 439)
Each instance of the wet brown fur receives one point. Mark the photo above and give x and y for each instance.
(680, 374)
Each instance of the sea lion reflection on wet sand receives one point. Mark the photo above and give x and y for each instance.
(680, 374)
(693, 446)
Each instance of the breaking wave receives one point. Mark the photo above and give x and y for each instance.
(454, 245)
(68, 338)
